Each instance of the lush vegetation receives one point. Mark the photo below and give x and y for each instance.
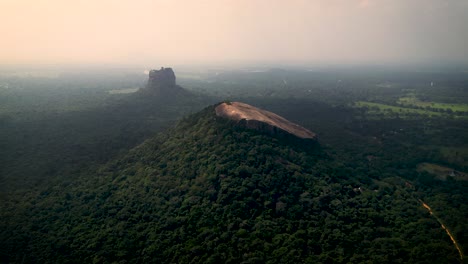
(212, 192)
(413, 101)
(78, 185)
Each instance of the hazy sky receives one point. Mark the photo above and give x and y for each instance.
(156, 32)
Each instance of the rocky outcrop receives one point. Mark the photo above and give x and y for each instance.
(163, 83)
(262, 120)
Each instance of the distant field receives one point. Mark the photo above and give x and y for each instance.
(413, 101)
(457, 155)
(123, 91)
(442, 172)
(375, 108)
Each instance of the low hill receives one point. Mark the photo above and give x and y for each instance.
(211, 191)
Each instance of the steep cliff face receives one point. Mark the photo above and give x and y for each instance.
(164, 77)
(163, 83)
(262, 120)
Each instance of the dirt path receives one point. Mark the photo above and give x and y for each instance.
(457, 246)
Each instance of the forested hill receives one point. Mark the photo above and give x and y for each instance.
(209, 191)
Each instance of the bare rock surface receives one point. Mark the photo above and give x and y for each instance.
(162, 83)
(259, 119)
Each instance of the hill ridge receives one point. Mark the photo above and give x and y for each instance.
(259, 119)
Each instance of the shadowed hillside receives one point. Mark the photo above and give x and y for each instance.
(210, 191)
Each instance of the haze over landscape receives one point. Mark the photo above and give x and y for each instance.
(234, 131)
(145, 32)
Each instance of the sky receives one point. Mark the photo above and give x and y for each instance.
(156, 32)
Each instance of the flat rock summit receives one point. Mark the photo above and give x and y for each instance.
(259, 119)
(162, 83)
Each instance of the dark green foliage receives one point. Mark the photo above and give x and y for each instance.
(211, 192)
(208, 191)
